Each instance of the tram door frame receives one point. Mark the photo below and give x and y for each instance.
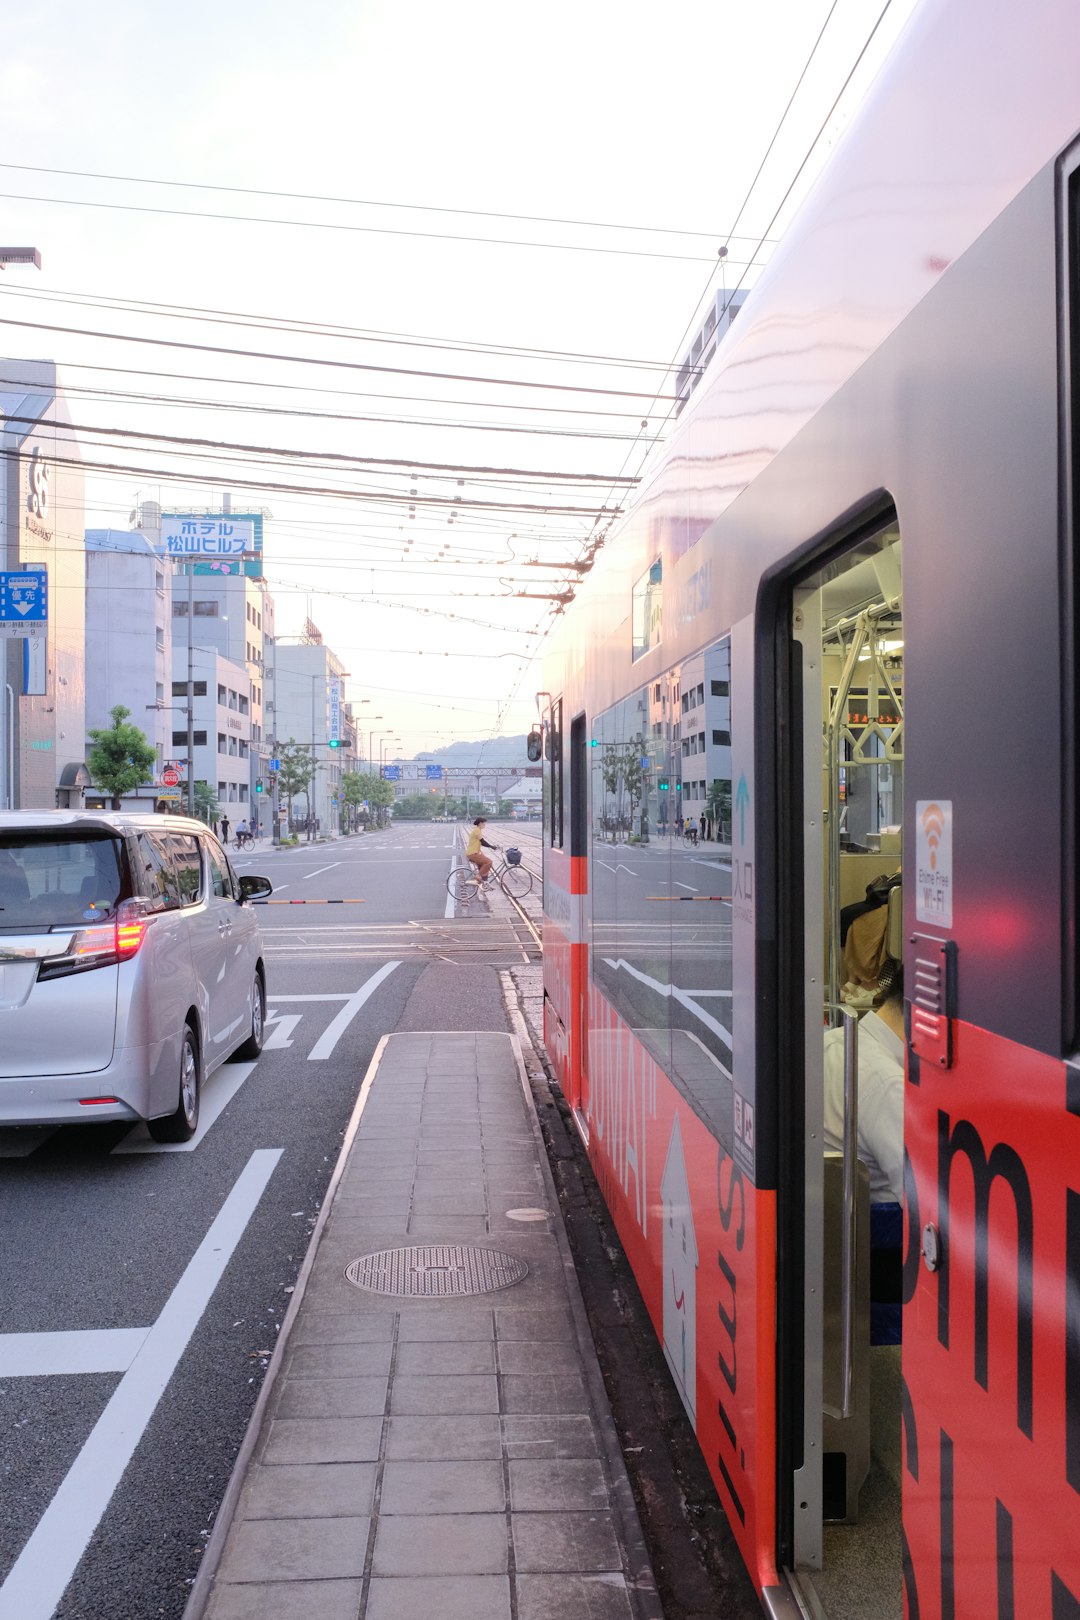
(579, 852)
(790, 808)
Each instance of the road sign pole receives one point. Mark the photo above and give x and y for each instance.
(190, 696)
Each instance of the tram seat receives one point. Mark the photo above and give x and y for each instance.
(845, 1441)
(886, 1272)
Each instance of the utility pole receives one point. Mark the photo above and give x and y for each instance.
(190, 694)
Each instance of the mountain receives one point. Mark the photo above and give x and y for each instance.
(495, 751)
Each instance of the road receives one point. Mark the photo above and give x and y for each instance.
(142, 1287)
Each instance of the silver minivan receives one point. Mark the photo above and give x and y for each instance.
(130, 968)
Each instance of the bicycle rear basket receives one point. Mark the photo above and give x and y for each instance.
(513, 857)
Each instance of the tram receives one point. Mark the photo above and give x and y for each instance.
(826, 666)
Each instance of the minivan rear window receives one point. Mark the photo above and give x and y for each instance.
(54, 881)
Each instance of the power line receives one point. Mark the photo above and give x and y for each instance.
(354, 202)
(338, 365)
(309, 328)
(285, 455)
(366, 230)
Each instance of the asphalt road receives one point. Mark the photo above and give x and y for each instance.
(110, 1479)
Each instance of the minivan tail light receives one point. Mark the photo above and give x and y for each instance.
(132, 921)
(102, 944)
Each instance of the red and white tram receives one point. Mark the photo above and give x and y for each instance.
(836, 637)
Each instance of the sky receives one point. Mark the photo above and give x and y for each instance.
(393, 317)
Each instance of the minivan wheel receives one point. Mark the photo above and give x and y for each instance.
(254, 1043)
(180, 1127)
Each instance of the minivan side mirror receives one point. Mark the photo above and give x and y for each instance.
(255, 888)
(534, 747)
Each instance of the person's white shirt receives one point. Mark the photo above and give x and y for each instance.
(241, 827)
(881, 1104)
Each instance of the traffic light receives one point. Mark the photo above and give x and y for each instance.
(664, 785)
(258, 787)
(335, 742)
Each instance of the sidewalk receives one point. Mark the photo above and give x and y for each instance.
(436, 1441)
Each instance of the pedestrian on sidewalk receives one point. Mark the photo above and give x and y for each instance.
(225, 830)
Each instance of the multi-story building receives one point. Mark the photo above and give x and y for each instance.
(307, 708)
(129, 639)
(42, 695)
(222, 712)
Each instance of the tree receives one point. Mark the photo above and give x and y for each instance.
(718, 805)
(120, 758)
(366, 787)
(206, 805)
(297, 772)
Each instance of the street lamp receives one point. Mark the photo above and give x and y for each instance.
(369, 762)
(383, 736)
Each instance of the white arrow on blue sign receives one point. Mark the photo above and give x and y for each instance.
(24, 602)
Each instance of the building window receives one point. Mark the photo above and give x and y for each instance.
(160, 691)
(721, 739)
(198, 688)
(179, 739)
(232, 699)
(179, 610)
(222, 696)
(159, 581)
(242, 793)
(243, 703)
(206, 610)
(720, 688)
(222, 743)
(159, 637)
(243, 749)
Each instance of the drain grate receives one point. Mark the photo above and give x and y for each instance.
(435, 1271)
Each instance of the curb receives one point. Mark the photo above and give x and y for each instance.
(202, 1586)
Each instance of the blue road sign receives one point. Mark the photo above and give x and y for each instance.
(433, 772)
(24, 602)
(275, 764)
(391, 773)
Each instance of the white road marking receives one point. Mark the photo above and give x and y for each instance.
(220, 1090)
(338, 995)
(279, 886)
(319, 869)
(683, 997)
(280, 1035)
(617, 869)
(95, 1350)
(687, 886)
(330, 1036)
(40, 1575)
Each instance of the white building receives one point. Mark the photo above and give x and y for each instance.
(301, 713)
(43, 721)
(129, 639)
(222, 714)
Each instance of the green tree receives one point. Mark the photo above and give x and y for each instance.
(718, 805)
(120, 758)
(297, 771)
(206, 805)
(366, 786)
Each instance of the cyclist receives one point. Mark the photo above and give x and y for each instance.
(475, 847)
(243, 836)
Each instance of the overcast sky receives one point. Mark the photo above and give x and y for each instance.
(597, 111)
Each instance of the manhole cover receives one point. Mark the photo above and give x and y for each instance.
(435, 1271)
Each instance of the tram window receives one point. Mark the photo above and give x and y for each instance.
(655, 839)
(647, 610)
(555, 777)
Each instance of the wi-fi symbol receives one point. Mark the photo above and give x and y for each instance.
(933, 824)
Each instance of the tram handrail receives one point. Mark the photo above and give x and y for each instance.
(850, 1228)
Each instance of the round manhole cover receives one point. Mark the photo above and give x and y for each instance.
(435, 1271)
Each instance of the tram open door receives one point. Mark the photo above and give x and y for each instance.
(840, 1382)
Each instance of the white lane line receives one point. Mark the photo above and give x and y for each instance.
(333, 1032)
(449, 908)
(338, 995)
(40, 1575)
(279, 886)
(319, 869)
(93, 1350)
(219, 1093)
(687, 886)
(683, 997)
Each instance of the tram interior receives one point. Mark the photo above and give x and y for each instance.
(857, 601)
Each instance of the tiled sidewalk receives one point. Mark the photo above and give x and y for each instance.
(433, 1456)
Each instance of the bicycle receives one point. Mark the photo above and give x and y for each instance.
(245, 840)
(465, 882)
